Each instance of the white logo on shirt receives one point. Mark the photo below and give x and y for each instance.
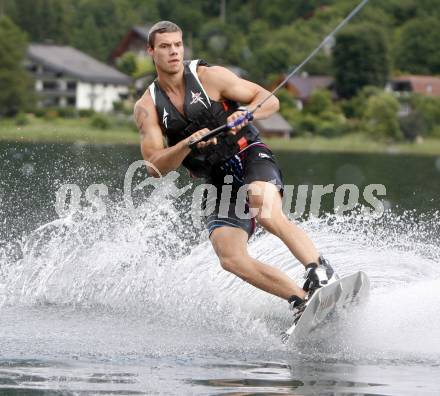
(164, 118)
(197, 98)
(263, 155)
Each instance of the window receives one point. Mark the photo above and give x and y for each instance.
(71, 86)
(402, 86)
(33, 68)
(50, 85)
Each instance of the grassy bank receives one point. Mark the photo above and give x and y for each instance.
(67, 131)
(355, 143)
(74, 130)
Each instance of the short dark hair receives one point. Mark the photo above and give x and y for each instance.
(161, 27)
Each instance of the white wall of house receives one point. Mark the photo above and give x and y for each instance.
(99, 97)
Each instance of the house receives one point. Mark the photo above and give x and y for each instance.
(302, 87)
(403, 86)
(66, 77)
(135, 40)
(274, 126)
(424, 85)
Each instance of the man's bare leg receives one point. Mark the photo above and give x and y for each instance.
(230, 245)
(266, 198)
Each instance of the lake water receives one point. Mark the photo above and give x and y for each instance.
(137, 304)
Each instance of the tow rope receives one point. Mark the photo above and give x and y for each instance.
(249, 115)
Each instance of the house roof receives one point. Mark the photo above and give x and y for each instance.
(304, 86)
(135, 33)
(75, 63)
(275, 123)
(427, 85)
(142, 31)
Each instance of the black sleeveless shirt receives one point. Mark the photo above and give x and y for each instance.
(199, 112)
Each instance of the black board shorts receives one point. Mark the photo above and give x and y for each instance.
(254, 163)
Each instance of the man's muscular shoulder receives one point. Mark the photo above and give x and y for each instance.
(214, 79)
(212, 73)
(144, 101)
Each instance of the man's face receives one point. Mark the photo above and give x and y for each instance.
(168, 52)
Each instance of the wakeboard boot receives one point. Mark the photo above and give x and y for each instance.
(318, 275)
(297, 305)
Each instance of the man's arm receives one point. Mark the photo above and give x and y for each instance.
(165, 159)
(229, 86)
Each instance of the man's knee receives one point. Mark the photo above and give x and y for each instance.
(230, 245)
(234, 264)
(266, 222)
(273, 223)
(229, 263)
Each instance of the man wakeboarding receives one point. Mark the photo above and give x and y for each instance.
(187, 100)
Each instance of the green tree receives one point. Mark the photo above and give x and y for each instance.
(320, 102)
(88, 38)
(270, 61)
(42, 19)
(360, 58)
(418, 46)
(187, 15)
(113, 18)
(429, 109)
(401, 10)
(223, 44)
(413, 125)
(70, 22)
(135, 66)
(127, 63)
(355, 107)
(288, 108)
(380, 117)
(14, 81)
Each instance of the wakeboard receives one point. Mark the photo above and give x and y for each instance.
(338, 295)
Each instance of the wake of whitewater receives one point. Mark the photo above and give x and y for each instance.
(159, 267)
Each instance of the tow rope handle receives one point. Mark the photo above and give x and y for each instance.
(248, 115)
